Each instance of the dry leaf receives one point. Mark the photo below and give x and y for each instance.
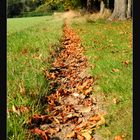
(116, 101)
(69, 87)
(24, 109)
(87, 135)
(42, 133)
(118, 137)
(88, 91)
(52, 131)
(95, 118)
(85, 109)
(101, 121)
(115, 70)
(126, 62)
(22, 89)
(80, 137)
(71, 135)
(14, 109)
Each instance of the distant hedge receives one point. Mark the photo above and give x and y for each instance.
(19, 8)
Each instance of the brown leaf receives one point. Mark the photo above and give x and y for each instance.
(71, 135)
(85, 109)
(126, 62)
(115, 70)
(22, 89)
(101, 121)
(24, 51)
(52, 130)
(24, 109)
(87, 135)
(42, 133)
(37, 56)
(15, 110)
(88, 91)
(95, 118)
(118, 137)
(80, 137)
(116, 100)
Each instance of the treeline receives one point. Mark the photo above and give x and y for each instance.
(121, 9)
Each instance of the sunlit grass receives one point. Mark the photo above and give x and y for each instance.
(108, 47)
(28, 43)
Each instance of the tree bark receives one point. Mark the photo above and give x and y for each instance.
(88, 5)
(120, 10)
(102, 7)
(129, 8)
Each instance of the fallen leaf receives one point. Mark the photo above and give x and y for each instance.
(80, 137)
(71, 135)
(126, 62)
(22, 89)
(118, 137)
(24, 109)
(52, 131)
(85, 109)
(24, 51)
(88, 91)
(101, 121)
(15, 110)
(68, 105)
(116, 100)
(42, 133)
(95, 118)
(115, 70)
(87, 135)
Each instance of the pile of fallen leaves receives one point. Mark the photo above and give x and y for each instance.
(72, 111)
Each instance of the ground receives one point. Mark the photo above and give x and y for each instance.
(107, 46)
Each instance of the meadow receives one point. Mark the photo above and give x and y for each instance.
(108, 47)
(28, 43)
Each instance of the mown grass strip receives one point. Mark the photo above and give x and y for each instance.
(108, 46)
(28, 49)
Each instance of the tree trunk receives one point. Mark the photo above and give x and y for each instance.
(111, 5)
(102, 7)
(120, 10)
(88, 5)
(129, 8)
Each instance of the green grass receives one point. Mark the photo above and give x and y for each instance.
(20, 24)
(28, 44)
(108, 46)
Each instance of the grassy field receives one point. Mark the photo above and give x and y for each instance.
(29, 40)
(108, 48)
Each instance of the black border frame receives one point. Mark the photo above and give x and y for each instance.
(136, 70)
(3, 70)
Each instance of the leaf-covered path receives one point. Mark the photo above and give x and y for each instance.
(72, 111)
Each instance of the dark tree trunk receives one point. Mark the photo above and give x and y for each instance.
(111, 5)
(129, 8)
(102, 7)
(89, 5)
(120, 10)
(93, 6)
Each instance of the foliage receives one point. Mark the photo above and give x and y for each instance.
(18, 7)
(35, 7)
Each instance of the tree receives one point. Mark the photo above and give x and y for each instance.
(129, 9)
(102, 6)
(93, 5)
(122, 9)
(88, 5)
